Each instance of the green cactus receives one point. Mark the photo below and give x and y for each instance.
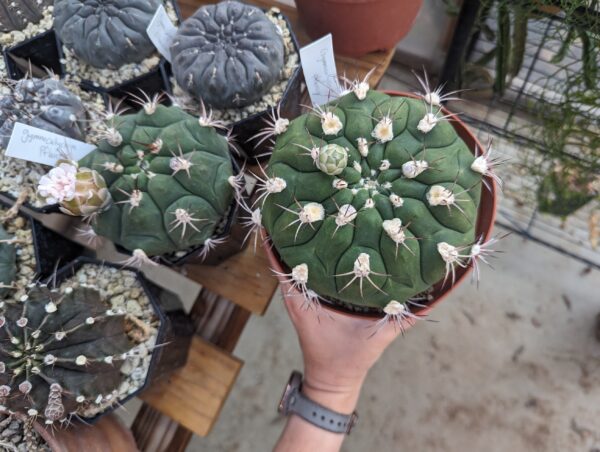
(8, 261)
(60, 352)
(375, 201)
(170, 176)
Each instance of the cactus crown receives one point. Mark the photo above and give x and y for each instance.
(59, 352)
(170, 177)
(373, 197)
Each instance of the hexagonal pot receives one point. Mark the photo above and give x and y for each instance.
(174, 333)
(485, 224)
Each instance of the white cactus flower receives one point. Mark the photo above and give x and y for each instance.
(59, 184)
(384, 130)
(413, 168)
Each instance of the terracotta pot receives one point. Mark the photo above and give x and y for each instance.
(107, 435)
(359, 26)
(485, 224)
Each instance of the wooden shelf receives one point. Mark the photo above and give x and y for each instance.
(245, 279)
(194, 395)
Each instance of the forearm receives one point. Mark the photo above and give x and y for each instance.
(301, 436)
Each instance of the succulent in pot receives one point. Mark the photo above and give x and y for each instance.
(43, 103)
(106, 33)
(170, 181)
(373, 201)
(241, 62)
(83, 347)
(17, 14)
(109, 434)
(229, 54)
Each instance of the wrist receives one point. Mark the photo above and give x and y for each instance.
(334, 392)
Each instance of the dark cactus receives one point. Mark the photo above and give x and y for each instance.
(60, 353)
(17, 14)
(8, 262)
(46, 104)
(106, 33)
(228, 55)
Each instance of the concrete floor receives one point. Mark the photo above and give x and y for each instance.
(511, 366)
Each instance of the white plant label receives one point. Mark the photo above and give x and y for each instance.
(320, 72)
(161, 32)
(40, 146)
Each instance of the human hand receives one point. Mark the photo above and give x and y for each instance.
(338, 349)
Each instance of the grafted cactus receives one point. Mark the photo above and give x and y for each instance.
(46, 104)
(60, 352)
(228, 54)
(371, 200)
(106, 33)
(17, 14)
(170, 176)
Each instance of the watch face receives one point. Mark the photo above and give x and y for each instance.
(294, 383)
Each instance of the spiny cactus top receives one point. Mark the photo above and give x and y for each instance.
(17, 14)
(46, 104)
(106, 33)
(228, 54)
(170, 176)
(371, 199)
(60, 352)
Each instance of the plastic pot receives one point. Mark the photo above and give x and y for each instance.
(174, 333)
(42, 52)
(485, 224)
(109, 434)
(359, 26)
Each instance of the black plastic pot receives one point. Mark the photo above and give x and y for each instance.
(42, 52)
(50, 247)
(174, 334)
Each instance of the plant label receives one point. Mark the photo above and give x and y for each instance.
(320, 72)
(161, 32)
(40, 146)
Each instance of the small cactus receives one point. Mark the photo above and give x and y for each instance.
(17, 14)
(170, 176)
(375, 198)
(60, 352)
(106, 33)
(43, 103)
(78, 191)
(228, 55)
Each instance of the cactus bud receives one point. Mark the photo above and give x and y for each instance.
(332, 159)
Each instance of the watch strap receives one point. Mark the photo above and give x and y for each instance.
(319, 415)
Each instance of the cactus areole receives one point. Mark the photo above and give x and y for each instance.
(170, 179)
(382, 209)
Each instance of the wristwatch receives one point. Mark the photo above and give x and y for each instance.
(294, 402)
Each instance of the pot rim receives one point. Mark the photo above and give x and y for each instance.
(489, 200)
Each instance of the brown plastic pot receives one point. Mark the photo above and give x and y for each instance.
(485, 224)
(107, 435)
(359, 26)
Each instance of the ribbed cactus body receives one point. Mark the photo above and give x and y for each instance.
(60, 351)
(46, 104)
(229, 54)
(401, 195)
(8, 259)
(169, 177)
(106, 33)
(17, 14)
